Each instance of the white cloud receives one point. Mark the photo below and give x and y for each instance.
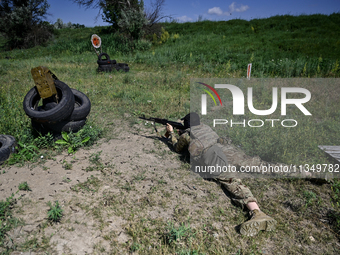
(241, 8)
(184, 19)
(232, 8)
(215, 10)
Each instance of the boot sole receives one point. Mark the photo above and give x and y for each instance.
(253, 227)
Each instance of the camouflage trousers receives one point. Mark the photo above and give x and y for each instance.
(236, 157)
(239, 192)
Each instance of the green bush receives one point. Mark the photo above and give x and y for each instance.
(86, 136)
(21, 23)
(133, 20)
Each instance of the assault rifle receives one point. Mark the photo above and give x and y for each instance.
(175, 125)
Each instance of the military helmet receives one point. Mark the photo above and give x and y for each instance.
(191, 119)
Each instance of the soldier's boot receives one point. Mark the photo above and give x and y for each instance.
(258, 221)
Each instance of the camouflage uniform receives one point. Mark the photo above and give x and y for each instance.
(240, 193)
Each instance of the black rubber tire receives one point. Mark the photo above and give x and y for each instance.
(62, 110)
(66, 126)
(13, 142)
(49, 106)
(7, 146)
(106, 61)
(122, 67)
(40, 128)
(105, 68)
(82, 106)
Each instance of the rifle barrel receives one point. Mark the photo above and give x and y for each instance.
(164, 122)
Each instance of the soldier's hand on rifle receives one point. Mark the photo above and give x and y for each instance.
(169, 130)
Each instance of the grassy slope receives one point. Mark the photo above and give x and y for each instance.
(286, 34)
(300, 41)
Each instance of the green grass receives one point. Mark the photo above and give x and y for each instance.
(7, 223)
(334, 214)
(158, 84)
(176, 234)
(73, 141)
(298, 145)
(66, 165)
(90, 185)
(24, 186)
(95, 158)
(55, 213)
(309, 42)
(284, 35)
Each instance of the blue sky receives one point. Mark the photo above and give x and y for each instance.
(191, 10)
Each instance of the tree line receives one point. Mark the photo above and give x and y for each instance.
(22, 22)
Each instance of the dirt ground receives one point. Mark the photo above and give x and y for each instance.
(123, 192)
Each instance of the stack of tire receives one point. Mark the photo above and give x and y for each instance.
(7, 146)
(69, 114)
(107, 65)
